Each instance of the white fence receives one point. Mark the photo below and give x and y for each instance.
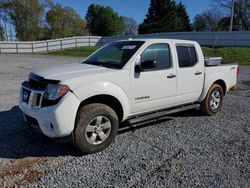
(214, 39)
(48, 45)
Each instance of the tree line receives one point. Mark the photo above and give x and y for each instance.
(30, 20)
(218, 19)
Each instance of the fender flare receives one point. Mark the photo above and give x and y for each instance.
(208, 83)
(104, 88)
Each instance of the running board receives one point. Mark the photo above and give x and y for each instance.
(160, 114)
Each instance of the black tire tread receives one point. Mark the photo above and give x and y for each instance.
(205, 103)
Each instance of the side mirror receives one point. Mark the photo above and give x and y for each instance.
(145, 66)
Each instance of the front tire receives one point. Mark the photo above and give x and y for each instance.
(96, 128)
(213, 101)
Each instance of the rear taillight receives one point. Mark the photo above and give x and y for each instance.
(238, 69)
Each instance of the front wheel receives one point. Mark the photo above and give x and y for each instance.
(96, 127)
(213, 101)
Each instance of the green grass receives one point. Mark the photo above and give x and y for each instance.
(76, 52)
(230, 54)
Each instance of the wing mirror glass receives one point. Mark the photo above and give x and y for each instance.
(145, 66)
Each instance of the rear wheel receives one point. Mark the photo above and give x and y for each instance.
(213, 101)
(96, 127)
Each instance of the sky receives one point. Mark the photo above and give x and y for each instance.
(136, 9)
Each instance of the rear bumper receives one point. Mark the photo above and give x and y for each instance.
(57, 120)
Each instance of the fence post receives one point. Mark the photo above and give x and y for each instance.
(47, 46)
(76, 42)
(32, 48)
(61, 44)
(89, 40)
(16, 48)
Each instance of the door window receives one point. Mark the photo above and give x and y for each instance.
(187, 56)
(159, 53)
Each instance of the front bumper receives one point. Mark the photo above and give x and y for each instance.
(54, 121)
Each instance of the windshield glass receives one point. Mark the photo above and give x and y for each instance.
(114, 55)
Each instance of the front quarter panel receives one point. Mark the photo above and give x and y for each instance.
(104, 88)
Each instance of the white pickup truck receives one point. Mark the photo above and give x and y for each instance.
(126, 81)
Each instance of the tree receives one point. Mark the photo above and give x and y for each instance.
(224, 24)
(131, 26)
(64, 22)
(104, 21)
(207, 21)
(165, 16)
(199, 23)
(240, 12)
(6, 20)
(2, 37)
(182, 18)
(26, 16)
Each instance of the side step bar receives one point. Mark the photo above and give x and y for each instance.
(160, 114)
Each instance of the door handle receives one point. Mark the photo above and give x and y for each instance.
(198, 73)
(171, 76)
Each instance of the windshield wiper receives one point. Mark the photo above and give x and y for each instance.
(92, 62)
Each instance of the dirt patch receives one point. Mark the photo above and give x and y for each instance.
(21, 171)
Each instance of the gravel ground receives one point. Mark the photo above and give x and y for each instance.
(186, 150)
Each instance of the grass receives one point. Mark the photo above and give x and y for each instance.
(230, 54)
(76, 52)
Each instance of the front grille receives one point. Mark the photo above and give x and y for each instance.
(33, 98)
(37, 85)
(34, 89)
(26, 95)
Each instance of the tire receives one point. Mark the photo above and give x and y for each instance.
(213, 101)
(96, 128)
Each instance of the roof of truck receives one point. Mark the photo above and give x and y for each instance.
(160, 40)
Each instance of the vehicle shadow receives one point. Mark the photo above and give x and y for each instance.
(125, 127)
(17, 141)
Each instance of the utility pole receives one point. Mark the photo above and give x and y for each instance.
(232, 17)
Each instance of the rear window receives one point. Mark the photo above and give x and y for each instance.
(187, 56)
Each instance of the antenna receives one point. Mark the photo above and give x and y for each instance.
(216, 40)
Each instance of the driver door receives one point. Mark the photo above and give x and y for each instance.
(156, 88)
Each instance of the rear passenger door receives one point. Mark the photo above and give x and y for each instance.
(190, 74)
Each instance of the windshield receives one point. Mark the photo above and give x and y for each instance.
(114, 55)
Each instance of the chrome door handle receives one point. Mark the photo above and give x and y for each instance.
(171, 76)
(198, 73)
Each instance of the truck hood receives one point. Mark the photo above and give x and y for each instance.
(69, 71)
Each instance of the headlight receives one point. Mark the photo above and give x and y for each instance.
(54, 92)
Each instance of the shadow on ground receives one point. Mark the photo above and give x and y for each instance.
(17, 141)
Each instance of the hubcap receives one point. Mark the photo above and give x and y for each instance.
(215, 100)
(98, 130)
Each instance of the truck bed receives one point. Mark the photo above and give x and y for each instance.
(227, 72)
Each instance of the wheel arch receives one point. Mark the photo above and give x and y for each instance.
(222, 84)
(108, 100)
(209, 84)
